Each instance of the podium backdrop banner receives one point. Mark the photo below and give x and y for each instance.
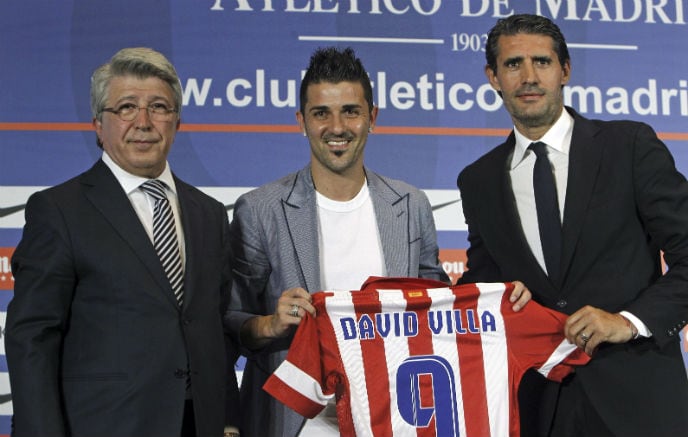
(241, 61)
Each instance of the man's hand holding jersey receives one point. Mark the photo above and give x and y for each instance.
(292, 305)
(519, 296)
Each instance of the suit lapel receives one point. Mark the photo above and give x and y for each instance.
(509, 220)
(509, 211)
(300, 214)
(192, 220)
(392, 216)
(501, 216)
(107, 196)
(584, 161)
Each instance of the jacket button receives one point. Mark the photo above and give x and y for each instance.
(180, 373)
(561, 303)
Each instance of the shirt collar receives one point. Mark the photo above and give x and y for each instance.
(130, 182)
(557, 137)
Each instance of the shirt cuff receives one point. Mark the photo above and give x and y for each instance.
(643, 331)
(231, 431)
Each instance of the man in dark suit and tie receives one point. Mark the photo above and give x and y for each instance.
(121, 279)
(615, 201)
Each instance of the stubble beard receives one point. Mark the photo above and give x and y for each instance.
(533, 118)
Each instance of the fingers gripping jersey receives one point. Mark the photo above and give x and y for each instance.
(412, 357)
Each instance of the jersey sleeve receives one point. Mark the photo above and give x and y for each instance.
(299, 382)
(537, 340)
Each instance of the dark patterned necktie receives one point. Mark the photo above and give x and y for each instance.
(165, 237)
(547, 206)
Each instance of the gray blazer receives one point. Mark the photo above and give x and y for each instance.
(274, 238)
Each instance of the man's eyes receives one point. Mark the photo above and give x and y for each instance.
(126, 107)
(352, 112)
(348, 113)
(513, 65)
(159, 107)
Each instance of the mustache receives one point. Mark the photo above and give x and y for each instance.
(347, 136)
(529, 89)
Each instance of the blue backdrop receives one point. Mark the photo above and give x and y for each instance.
(241, 62)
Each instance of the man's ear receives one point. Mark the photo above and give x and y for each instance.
(566, 73)
(302, 122)
(492, 78)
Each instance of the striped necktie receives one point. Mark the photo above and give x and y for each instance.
(165, 237)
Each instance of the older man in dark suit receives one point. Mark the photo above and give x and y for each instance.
(122, 275)
(616, 199)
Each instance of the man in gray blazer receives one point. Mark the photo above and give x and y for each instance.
(328, 226)
(385, 227)
(100, 340)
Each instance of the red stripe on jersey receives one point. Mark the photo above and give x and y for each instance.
(332, 359)
(298, 402)
(421, 344)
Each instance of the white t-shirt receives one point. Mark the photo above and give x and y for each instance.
(350, 252)
(349, 242)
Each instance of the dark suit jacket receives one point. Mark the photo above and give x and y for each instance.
(96, 342)
(625, 201)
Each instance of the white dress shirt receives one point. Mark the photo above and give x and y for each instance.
(143, 203)
(558, 140)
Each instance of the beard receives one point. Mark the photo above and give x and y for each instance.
(535, 117)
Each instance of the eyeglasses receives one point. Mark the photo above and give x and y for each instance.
(156, 111)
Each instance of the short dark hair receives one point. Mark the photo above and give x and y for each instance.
(335, 65)
(525, 23)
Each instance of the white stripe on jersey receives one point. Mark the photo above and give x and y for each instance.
(449, 349)
(341, 305)
(495, 358)
(561, 352)
(302, 382)
(396, 351)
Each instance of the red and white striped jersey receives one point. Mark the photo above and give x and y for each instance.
(413, 357)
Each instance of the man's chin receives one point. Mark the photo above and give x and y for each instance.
(533, 117)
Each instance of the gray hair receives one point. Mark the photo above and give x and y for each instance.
(140, 62)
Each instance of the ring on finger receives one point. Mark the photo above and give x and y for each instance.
(584, 337)
(294, 311)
